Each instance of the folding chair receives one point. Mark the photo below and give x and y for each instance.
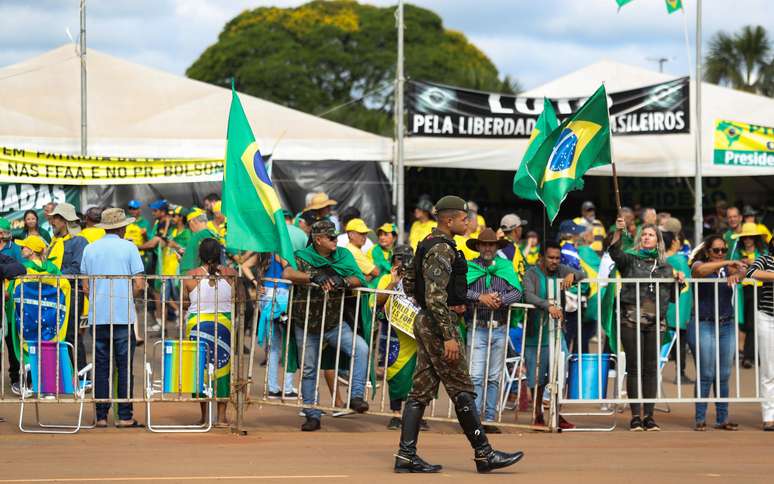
(183, 372)
(512, 365)
(40, 378)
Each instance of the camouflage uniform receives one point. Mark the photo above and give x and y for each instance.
(436, 324)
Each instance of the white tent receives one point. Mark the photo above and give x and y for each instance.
(143, 112)
(639, 155)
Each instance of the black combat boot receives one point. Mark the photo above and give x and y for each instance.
(487, 459)
(407, 460)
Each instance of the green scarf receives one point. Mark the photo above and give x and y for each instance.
(501, 268)
(381, 259)
(340, 260)
(643, 253)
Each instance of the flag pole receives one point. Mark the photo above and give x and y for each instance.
(615, 187)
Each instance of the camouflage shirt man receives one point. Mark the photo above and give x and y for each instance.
(436, 279)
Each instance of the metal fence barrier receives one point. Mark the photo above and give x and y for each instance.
(357, 346)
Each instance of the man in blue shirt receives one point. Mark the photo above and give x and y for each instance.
(112, 312)
(7, 246)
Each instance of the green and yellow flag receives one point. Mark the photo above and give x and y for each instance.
(557, 166)
(255, 218)
(523, 185)
(674, 5)
(621, 3)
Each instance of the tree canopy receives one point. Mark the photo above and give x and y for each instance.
(744, 60)
(324, 54)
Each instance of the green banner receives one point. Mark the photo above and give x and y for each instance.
(16, 198)
(743, 144)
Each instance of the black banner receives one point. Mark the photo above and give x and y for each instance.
(437, 110)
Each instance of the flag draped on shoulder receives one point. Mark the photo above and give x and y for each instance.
(252, 207)
(579, 143)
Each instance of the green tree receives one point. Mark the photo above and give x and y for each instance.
(324, 54)
(742, 60)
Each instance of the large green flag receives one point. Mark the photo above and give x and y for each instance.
(674, 5)
(580, 143)
(253, 210)
(525, 186)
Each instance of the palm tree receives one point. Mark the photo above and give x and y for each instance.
(742, 60)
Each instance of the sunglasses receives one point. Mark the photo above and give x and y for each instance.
(718, 250)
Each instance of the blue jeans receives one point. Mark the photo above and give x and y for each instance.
(707, 364)
(123, 346)
(273, 366)
(310, 370)
(479, 345)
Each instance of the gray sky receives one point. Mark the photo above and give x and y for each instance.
(532, 40)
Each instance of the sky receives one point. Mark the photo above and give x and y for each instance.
(534, 41)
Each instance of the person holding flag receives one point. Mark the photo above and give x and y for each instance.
(492, 287)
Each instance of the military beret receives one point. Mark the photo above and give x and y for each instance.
(451, 202)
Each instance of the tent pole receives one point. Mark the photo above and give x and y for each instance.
(697, 216)
(399, 106)
(82, 54)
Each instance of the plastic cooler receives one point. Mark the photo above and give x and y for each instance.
(595, 368)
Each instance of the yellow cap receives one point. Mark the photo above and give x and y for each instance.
(357, 225)
(34, 243)
(194, 213)
(387, 228)
(216, 206)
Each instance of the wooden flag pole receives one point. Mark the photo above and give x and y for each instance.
(615, 186)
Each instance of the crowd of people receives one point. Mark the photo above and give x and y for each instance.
(336, 251)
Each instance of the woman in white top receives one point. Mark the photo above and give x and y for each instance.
(209, 317)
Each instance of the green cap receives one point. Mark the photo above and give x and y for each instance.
(451, 202)
(324, 227)
(5, 224)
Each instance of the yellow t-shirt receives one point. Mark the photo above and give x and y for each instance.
(92, 234)
(420, 230)
(519, 265)
(170, 262)
(135, 234)
(56, 250)
(362, 260)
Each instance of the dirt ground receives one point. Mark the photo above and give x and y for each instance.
(359, 449)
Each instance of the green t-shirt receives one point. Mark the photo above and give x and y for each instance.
(191, 259)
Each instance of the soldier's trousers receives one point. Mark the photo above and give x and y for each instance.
(432, 368)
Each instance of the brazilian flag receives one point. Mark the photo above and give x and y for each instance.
(401, 361)
(524, 185)
(579, 143)
(590, 261)
(255, 218)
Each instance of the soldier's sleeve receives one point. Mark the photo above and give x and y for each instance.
(436, 269)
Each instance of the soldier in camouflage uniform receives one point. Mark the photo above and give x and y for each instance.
(436, 279)
(333, 271)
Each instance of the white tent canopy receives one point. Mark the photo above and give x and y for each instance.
(143, 112)
(637, 155)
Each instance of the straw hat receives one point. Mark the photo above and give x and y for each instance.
(488, 236)
(320, 201)
(114, 218)
(748, 230)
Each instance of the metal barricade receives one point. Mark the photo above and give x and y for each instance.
(186, 364)
(640, 343)
(346, 338)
